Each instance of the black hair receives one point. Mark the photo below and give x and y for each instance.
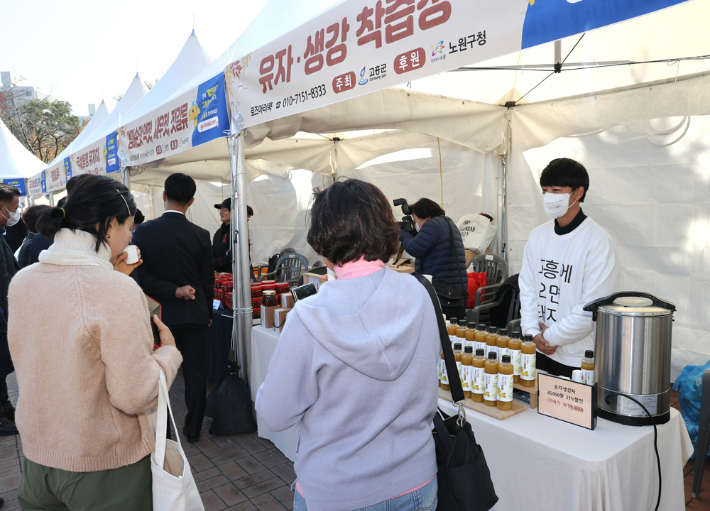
(31, 214)
(352, 219)
(180, 188)
(250, 212)
(74, 181)
(566, 172)
(426, 208)
(139, 217)
(94, 200)
(8, 192)
(61, 202)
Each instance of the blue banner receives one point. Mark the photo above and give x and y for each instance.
(210, 111)
(111, 155)
(44, 181)
(19, 183)
(549, 20)
(67, 168)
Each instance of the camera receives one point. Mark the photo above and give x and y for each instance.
(407, 223)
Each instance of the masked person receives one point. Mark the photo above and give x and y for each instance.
(567, 263)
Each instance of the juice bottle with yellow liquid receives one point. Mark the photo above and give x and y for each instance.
(505, 384)
(471, 335)
(490, 393)
(461, 333)
(480, 338)
(478, 380)
(588, 367)
(514, 346)
(492, 341)
(502, 343)
(467, 371)
(527, 362)
(444, 376)
(451, 330)
(457, 355)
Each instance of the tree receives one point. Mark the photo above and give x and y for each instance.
(44, 127)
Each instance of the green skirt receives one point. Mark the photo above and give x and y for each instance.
(118, 489)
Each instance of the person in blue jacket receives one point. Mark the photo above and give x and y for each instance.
(431, 246)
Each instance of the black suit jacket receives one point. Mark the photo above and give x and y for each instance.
(176, 253)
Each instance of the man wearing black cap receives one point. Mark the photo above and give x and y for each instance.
(222, 241)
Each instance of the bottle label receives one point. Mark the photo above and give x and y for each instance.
(492, 349)
(491, 389)
(527, 367)
(469, 343)
(479, 346)
(453, 340)
(501, 352)
(588, 376)
(515, 360)
(466, 377)
(444, 376)
(477, 381)
(439, 368)
(458, 368)
(505, 387)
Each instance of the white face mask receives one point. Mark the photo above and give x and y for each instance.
(13, 218)
(556, 204)
(416, 227)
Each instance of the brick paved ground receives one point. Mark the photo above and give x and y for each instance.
(241, 472)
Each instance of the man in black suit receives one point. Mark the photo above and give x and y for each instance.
(178, 272)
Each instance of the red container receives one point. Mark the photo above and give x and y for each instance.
(256, 290)
(255, 302)
(282, 287)
(268, 284)
(256, 313)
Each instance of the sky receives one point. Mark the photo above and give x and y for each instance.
(81, 51)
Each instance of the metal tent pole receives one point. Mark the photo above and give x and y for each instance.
(126, 177)
(241, 293)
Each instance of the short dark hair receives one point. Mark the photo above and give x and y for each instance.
(61, 202)
(180, 188)
(74, 181)
(31, 214)
(8, 192)
(250, 212)
(426, 208)
(139, 217)
(566, 172)
(352, 219)
(94, 200)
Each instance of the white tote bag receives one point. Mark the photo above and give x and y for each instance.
(477, 232)
(174, 488)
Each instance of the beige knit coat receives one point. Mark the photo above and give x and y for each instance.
(83, 351)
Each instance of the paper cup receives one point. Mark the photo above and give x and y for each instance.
(132, 252)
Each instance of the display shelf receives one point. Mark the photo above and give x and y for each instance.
(533, 391)
(487, 410)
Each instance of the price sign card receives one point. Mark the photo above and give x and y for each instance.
(567, 400)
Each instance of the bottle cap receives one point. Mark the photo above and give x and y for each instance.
(589, 354)
(457, 346)
(481, 327)
(472, 325)
(515, 334)
(506, 359)
(468, 349)
(492, 329)
(453, 321)
(503, 332)
(479, 352)
(462, 322)
(492, 355)
(528, 338)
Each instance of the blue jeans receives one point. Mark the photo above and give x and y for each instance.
(423, 499)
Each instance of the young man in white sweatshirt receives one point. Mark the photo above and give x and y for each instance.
(567, 263)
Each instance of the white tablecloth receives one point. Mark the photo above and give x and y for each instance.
(539, 463)
(263, 346)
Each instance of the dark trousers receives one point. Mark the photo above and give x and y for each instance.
(553, 367)
(191, 340)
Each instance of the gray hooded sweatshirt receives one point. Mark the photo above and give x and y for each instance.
(356, 371)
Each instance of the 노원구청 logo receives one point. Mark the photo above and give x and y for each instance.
(437, 48)
(363, 80)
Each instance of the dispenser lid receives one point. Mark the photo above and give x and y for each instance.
(634, 306)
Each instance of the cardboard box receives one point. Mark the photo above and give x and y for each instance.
(287, 301)
(267, 316)
(280, 318)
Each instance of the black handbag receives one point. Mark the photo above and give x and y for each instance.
(449, 295)
(463, 477)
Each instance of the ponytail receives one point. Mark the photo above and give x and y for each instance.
(50, 221)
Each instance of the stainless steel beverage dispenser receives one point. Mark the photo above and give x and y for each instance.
(633, 356)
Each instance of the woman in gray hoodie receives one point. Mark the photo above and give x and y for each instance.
(356, 367)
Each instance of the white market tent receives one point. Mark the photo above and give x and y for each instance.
(641, 140)
(16, 162)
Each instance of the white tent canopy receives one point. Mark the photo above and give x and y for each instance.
(15, 160)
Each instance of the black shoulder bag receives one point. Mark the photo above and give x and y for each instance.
(463, 477)
(449, 295)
